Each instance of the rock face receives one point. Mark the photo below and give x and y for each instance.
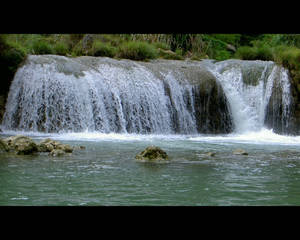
(152, 154)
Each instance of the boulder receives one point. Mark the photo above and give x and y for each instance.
(3, 146)
(48, 145)
(240, 152)
(57, 152)
(22, 145)
(152, 154)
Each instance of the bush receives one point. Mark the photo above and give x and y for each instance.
(41, 47)
(288, 56)
(61, 48)
(264, 53)
(161, 45)
(103, 49)
(137, 51)
(10, 59)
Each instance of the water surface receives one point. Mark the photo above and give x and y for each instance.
(106, 173)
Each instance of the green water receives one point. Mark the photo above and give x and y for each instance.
(106, 174)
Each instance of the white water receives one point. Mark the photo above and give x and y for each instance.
(124, 101)
(264, 136)
(249, 102)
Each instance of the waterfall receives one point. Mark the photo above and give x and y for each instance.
(250, 86)
(58, 94)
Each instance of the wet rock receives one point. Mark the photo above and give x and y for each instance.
(3, 146)
(57, 152)
(210, 154)
(48, 145)
(152, 154)
(240, 152)
(22, 145)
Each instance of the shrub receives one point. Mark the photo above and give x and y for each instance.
(42, 47)
(103, 49)
(61, 48)
(10, 59)
(137, 51)
(246, 53)
(288, 56)
(161, 45)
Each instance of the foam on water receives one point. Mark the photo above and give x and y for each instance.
(264, 136)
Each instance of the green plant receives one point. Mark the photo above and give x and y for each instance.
(137, 51)
(61, 48)
(103, 49)
(41, 47)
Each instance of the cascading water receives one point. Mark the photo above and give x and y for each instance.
(249, 87)
(59, 94)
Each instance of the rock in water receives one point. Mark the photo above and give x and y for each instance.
(57, 152)
(48, 145)
(240, 152)
(152, 154)
(3, 146)
(21, 144)
(210, 154)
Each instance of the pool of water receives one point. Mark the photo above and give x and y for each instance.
(106, 173)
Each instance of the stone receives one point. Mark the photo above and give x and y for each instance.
(152, 154)
(3, 146)
(240, 152)
(65, 147)
(22, 145)
(210, 154)
(57, 152)
(48, 145)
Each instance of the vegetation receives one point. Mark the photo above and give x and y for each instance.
(284, 49)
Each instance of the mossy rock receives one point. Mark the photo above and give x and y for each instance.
(48, 145)
(22, 145)
(3, 146)
(152, 154)
(57, 153)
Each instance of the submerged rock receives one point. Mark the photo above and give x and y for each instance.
(210, 154)
(152, 154)
(240, 152)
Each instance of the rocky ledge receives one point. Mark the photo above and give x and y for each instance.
(22, 145)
